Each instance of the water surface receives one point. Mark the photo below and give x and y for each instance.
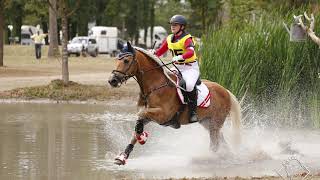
(80, 141)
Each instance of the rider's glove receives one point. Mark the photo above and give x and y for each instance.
(178, 58)
(152, 51)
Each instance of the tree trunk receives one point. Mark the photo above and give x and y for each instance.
(1, 33)
(53, 30)
(65, 70)
(203, 20)
(152, 22)
(45, 30)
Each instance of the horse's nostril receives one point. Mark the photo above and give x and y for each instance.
(113, 82)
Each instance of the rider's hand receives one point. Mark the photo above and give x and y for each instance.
(152, 51)
(178, 58)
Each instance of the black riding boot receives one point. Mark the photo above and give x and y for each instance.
(192, 104)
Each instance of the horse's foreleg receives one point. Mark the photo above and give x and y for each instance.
(138, 136)
(157, 114)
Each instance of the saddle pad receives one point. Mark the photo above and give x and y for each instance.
(204, 95)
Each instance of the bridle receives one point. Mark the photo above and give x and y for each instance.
(126, 76)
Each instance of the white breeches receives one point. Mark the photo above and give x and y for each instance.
(190, 74)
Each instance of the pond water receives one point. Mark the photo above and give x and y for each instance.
(43, 140)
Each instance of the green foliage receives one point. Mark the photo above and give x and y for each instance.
(36, 11)
(205, 14)
(113, 14)
(14, 14)
(164, 11)
(259, 58)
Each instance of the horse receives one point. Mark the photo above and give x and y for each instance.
(160, 103)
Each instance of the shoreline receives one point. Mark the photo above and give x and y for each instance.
(51, 101)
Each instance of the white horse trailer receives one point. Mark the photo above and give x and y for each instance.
(159, 34)
(106, 37)
(26, 34)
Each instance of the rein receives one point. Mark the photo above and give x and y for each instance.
(142, 72)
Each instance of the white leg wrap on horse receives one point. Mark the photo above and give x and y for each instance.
(122, 158)
(142, 138)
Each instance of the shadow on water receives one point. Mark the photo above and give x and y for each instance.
(80, 141)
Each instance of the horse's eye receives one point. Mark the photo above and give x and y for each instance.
(126, 61)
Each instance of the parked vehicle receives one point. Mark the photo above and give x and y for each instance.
(26, 34)
(107, 39)
(83, 44)
(159, 34)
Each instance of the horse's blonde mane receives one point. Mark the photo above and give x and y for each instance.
(149, 54)
(158, 61)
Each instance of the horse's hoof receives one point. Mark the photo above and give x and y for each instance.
(121, 159)
(119, 162)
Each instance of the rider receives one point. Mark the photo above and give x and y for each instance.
(181, 44)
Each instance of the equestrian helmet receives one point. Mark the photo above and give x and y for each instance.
(178, 19)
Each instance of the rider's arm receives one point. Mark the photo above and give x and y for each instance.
(163, 48)
(188, 44)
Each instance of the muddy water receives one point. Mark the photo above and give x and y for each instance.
(79, 141)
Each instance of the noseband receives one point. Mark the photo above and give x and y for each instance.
(125, 75)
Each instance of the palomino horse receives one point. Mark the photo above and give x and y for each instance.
(161, 103)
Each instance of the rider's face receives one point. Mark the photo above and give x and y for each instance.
(175, 28)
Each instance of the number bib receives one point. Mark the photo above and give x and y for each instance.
(177, 48)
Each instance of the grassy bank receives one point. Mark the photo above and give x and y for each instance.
(57, 90)
(279, 76)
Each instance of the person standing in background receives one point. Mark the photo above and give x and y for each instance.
(38, 39)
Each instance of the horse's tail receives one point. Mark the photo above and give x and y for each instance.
(235, 114)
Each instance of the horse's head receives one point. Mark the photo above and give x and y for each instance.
(126, 66)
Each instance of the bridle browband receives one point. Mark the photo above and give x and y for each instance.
(125, 75)
(128, 76)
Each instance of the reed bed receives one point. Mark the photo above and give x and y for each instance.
(279, 76)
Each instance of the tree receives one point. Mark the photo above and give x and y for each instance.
(152, 19)
(53, 31)
(164, 10)
(208, 11)
(111, 14)
(1, 32)
(100, 6)
(309, 30)
(36, 13)
(15, 13)
(64, 11)
(132, 20)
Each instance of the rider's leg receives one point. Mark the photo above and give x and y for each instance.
(192, 104)
(191, 75)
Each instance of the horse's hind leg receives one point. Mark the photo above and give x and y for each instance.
(216, 137)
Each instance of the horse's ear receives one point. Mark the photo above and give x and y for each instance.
(130, 48)
(128, 44)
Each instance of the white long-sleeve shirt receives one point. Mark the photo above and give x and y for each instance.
(38, 38)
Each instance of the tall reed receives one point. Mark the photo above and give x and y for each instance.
(259, 58)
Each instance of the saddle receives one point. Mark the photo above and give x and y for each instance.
(182, 83)
(203, 99)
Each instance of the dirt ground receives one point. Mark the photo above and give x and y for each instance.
(22, 69)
